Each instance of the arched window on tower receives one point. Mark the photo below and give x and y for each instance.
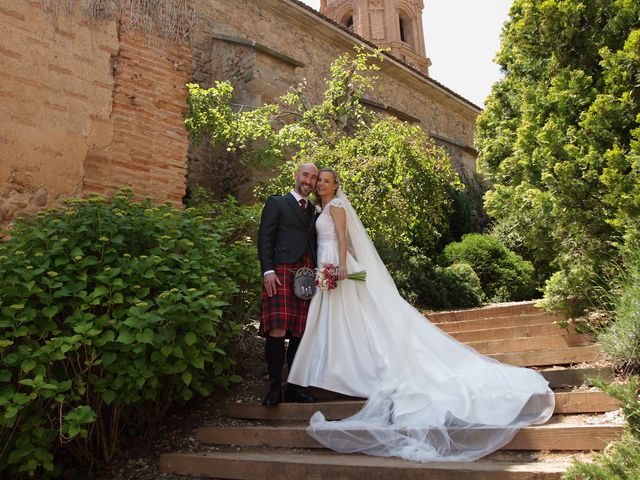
(350, 23)
(406, 29)
(347, 20)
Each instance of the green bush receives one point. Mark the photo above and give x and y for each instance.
(109, 313)
(621, 340)
(504, 275)
(621, 461)
(467, 213)
(428, 286)
(412, 273)
(458, 286)
(559, 138)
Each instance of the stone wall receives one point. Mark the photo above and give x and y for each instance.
(264, 48)
(86, 108)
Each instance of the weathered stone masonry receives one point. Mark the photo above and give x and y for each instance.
(87, 106)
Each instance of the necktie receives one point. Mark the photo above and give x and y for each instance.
(303, 203)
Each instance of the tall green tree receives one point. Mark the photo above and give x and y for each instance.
(560, 138)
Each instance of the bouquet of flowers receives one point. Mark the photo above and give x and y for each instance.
(327, 276)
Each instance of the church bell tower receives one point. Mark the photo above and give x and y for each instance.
(392, 24)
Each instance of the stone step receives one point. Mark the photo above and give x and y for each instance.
(568, 402)
(573, 377)
(558, 377)
(504, 333)
(287, 466)
(551, 436)
(491, 311)
(499, 322)
(531, 343)
(555, 356)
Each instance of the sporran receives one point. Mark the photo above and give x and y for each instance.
(304, 283)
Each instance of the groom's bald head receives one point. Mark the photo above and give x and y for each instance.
(306, 166)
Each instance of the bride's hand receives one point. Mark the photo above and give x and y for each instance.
(342, 274)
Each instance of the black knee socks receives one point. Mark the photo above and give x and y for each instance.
(274, 351)
(294, 342)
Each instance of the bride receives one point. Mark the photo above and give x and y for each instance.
(430, 398)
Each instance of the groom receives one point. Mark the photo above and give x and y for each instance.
(286, 242)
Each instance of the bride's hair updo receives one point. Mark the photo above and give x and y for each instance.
(332, 172)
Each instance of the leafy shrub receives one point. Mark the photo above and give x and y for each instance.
(504, 275)
(620, 461)
(459, 287)
(109, 313)
(565, 290)
(467, 213)
(428, 286)
(622, 339)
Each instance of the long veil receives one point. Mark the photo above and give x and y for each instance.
(437, 399)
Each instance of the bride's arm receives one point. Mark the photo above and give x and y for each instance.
(340, 221)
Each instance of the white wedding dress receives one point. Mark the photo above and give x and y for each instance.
(430, 398)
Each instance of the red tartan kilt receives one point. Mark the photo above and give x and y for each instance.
(284, 310)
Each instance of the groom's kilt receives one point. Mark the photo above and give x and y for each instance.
(284, 310)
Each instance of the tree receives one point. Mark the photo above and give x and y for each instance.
(560, 138)
(396, 176)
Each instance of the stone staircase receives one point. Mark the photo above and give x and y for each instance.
(271, 443)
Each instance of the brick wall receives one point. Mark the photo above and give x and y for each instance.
(149, 146)
(84, 108)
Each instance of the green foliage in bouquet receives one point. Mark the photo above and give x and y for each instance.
(109, 313)
(504, 275)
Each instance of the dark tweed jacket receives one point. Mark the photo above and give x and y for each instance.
(285, 232)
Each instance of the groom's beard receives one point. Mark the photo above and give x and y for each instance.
(300, 191)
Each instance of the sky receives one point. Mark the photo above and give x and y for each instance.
(462, 37)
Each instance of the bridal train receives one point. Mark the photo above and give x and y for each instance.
(430, 398)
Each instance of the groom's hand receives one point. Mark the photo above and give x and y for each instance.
(271, 282)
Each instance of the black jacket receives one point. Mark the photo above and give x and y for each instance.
(285, 231)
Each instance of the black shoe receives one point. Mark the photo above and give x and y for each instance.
(274, 395)
(294, 394)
